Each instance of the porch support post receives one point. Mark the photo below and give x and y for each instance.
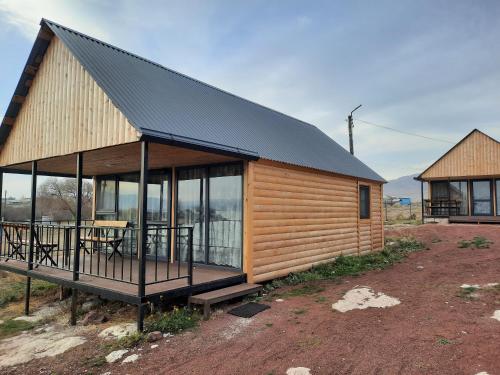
(34, 166)
(78, 222)
(422, 199)
(1, 194)
(143, 233)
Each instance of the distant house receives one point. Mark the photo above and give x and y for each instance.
(214, 190)
(464, 184)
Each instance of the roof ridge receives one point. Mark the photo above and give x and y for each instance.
(131, 54)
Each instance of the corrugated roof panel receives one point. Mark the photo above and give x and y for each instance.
(164, 103)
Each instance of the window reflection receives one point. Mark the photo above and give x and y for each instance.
(225, 226)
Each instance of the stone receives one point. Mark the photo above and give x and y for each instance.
(90, 304)
(154, 346)
(298, 371)
(28, 346)
(118, 331)
(154, 336)
(362, 298)
(496, 315)
(94, 317)
(46, 312)
(131, 358)
(116, 355)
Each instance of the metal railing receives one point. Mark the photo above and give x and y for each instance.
(108, 252)
(442, 208)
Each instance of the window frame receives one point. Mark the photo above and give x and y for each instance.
(206, 213)
(492, 197)
(368, 202)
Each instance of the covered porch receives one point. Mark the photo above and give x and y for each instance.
(462, 200)
(167, 221)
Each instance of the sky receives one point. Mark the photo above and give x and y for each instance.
(426, 67)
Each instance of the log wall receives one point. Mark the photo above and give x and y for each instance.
(297, 217)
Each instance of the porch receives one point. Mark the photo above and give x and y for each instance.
(462, 200)
(173, 226)
(101, 270)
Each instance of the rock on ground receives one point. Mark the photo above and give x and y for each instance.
(154, 336)
(116, 355)
(496, 315)
(94, 317)
(298, 371)
(363, 298)
(131, 358)
(27, 346)
(118, 331)
(47, 311)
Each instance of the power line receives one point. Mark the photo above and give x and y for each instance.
(404, 132)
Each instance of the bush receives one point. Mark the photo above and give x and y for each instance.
(175, 321)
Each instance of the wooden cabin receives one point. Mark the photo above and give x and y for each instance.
(195, 188)
(464, 184)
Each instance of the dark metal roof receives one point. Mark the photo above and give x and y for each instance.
(164, 104)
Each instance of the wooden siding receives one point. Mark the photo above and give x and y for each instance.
(64, 112)
(299, 217)
(477, 155)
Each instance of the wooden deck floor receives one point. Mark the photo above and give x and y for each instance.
(204, 277)
(475, 219)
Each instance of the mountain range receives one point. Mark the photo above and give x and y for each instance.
(403, 187)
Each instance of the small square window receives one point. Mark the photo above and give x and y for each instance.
(364, 202)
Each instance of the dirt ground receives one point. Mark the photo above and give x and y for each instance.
(433, 330)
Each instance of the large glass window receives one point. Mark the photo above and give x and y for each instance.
(226, 210)
(481, 197)
(497, 183)
(440, 198)
(221, 242)
(459, 202)
(190, 210)
(158, 193)
(128, 194)
(106, 193)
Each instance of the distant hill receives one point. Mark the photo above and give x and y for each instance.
(404, 186)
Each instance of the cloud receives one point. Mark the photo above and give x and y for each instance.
(25, 15)
(423, 67)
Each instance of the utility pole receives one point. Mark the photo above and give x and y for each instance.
(350, 125)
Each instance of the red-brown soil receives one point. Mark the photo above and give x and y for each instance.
(432, 331)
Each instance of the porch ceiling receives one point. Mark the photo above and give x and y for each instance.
(122, 159)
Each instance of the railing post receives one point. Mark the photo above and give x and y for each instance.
(143, 233)
(1, 210)
(190, 256)
(422, 199)
(34, 166)
(1, 194)
(78, 223)
(78, 216)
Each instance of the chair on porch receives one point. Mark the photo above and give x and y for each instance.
(105, 232)
(44, 250)
(14, 243)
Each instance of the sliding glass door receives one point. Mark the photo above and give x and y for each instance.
(482, 198)
(497, 192)
(225, 221)
(459, 201)
(191, 210)
(212, 195)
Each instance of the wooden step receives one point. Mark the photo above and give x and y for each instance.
(209, 298)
